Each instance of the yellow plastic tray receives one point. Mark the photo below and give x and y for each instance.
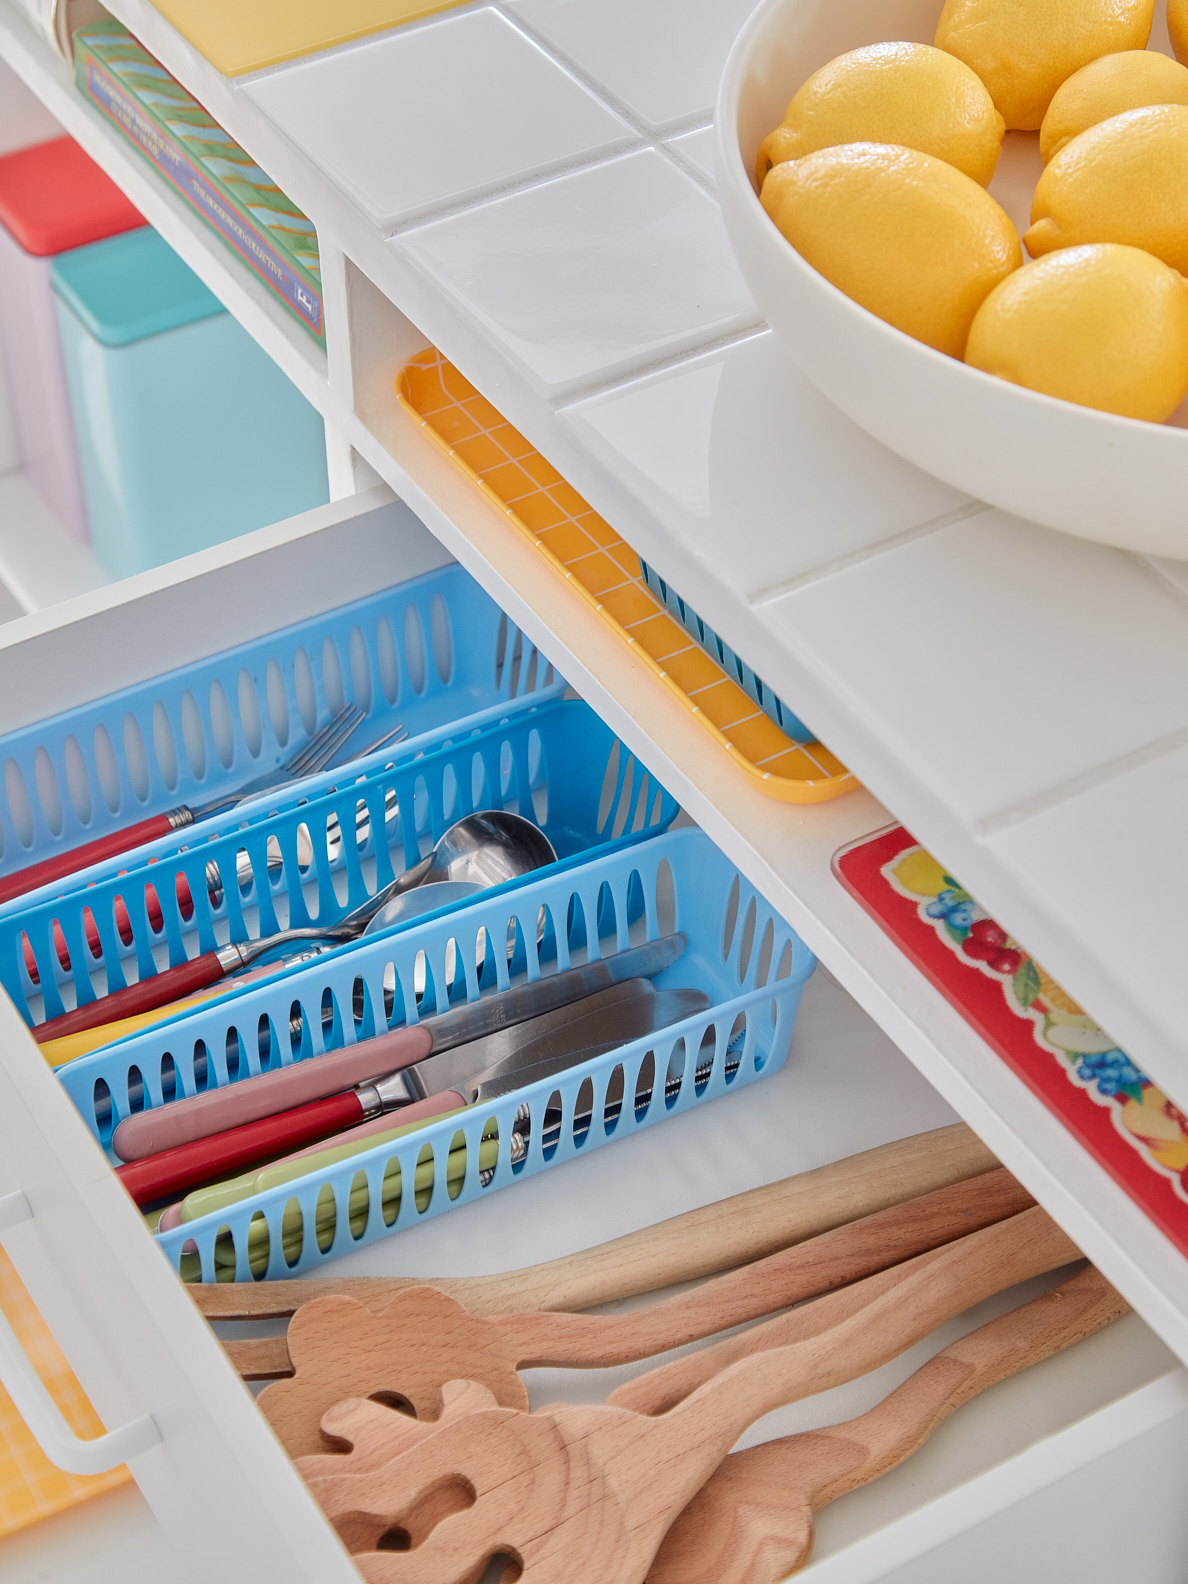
(31, 1488)
(238, 36)
(591, 556)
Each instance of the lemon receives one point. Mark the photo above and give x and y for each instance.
(1109, 87)
(1024, 49)
(909, 94)
(913, 240)
(1177, 28)
(1103, 326)
(1125, 180)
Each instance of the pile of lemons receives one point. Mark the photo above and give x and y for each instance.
(877, 177)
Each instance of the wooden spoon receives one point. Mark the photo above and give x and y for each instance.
(699, 1243)
(752, 1522)
(586, 1495)
(339, 1349)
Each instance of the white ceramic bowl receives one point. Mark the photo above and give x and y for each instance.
(1118, 480)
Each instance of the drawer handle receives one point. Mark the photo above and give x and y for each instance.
(38, 1409)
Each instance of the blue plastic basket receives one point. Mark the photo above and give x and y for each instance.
(737, 670)
(749, 961)
(423, 653)
(555, 763)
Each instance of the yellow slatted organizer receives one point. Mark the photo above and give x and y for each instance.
(591, 556)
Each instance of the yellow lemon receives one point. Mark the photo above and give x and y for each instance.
(909, 94)
(913, 240)
(1109, 87)
(1177, 28)
(1103, 326)
(1125, 180)
(1024, 49)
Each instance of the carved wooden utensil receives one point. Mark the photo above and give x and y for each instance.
(715, 1238)
(752, 1522)
(661, 1389)
(586, 1495)
(336, 1348)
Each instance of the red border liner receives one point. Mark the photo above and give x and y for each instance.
(981, 1003)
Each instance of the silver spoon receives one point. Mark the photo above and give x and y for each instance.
(425, 898)
(484, 849)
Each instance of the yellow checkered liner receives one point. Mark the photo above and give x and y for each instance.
(590, 555)
(238, 36)
(31, 1487)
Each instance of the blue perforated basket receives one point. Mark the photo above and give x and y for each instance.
(555, 763)
(749, 961)
(421, 654)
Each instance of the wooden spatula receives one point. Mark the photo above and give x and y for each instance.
(661, 1389)
(586, 1495)
(752, 1522)
(424, 1338)
(699, 1243)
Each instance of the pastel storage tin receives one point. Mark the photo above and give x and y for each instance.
(53, 197)
(188, 433)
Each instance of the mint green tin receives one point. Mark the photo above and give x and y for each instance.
(188, 434)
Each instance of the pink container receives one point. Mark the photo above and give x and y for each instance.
(52, 198)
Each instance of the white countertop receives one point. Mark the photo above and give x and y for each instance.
(530, 185)
(529, 182)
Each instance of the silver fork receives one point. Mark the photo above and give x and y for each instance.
(315, 756)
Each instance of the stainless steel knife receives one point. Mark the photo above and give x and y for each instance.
(568, 1043)
(504, 1009)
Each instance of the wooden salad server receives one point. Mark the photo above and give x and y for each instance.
(336, 1348)
(752, 1522)
(586, 1495)
(716, 1237)
(662, 1388)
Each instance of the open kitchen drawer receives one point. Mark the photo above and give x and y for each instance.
(1075, 1468)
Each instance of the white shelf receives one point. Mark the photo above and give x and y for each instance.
(1014, 696)
(40, 565)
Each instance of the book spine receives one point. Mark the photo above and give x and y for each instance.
(261, 252)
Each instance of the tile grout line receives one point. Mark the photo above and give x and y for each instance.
(650, 138)
(638, 135)
(574, 69)
(1027, 809)
(777, 591)
(394, 231)
(584, 393)
(644, 139)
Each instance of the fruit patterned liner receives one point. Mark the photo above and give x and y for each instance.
(31, 1488)
(1126, 1123)
(591, 557)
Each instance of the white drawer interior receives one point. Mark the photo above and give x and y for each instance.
(987, 1494)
